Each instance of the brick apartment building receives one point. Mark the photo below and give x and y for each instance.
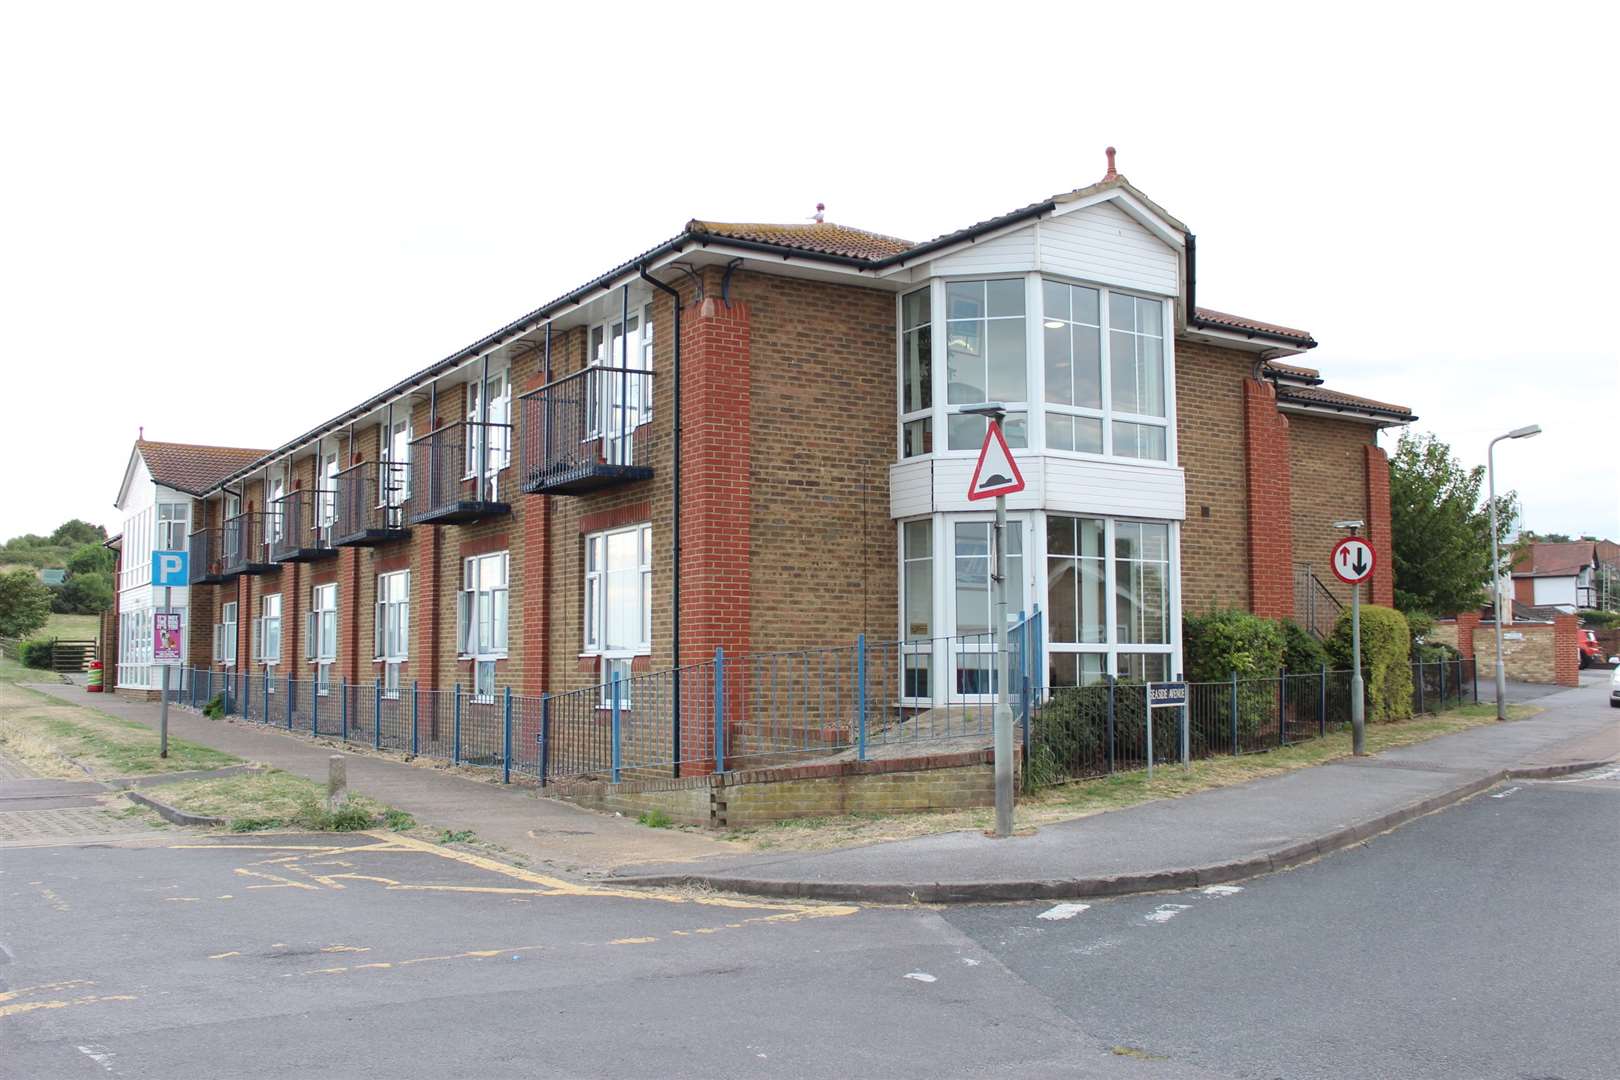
(751, 436)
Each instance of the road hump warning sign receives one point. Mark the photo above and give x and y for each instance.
(996, 473)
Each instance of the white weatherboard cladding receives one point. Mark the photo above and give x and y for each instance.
(1063, 484)
(1104, 244)
(1098, 243)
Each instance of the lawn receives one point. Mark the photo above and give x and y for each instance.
(1087, 797)
(70, 627)
(40, 733)
(272, 799)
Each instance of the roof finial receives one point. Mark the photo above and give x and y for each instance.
(821, 212)
(1111, 174)
(140, 432)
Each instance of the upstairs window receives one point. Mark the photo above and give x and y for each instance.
(173, 525)
(496, 438)
(1136, 376)
(916, 374)
(985, 359)
(394, 472)
(1071, 336)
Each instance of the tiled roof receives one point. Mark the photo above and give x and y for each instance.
(190, 468)
(1293, 371)
(1555, 560)
(821, 237)
(1239, 323)
(1333, 399)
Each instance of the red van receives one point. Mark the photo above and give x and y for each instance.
(1590, 653)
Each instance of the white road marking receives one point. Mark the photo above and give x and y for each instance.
(1063, 911)
(1504, 794)
(1165, 912)
(969, 961)
(98, 1054)
(920, 976)
(1223, 890)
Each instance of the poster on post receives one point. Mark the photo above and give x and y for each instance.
(166, 636)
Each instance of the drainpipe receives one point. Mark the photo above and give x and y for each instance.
(675, 620)
(483, 427)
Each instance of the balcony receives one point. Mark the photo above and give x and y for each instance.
(299, 527)
(370, 504)
(586, 431)
(242, 545)
(204, 566)
(445, 488)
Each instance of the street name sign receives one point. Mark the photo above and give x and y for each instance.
(996, 473)
(1165, 695)
(1352, 560)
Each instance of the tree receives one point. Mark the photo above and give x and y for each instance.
(75, 532)
(1442, 528)
(90, 559)
(25, 603)
(85, 594)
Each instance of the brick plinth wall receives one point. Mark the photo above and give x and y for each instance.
(716, 418)
(1271, 542)
(1566, 650)
(1380, 532)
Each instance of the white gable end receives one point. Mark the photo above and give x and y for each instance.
(1010, 253)
(1104, 244)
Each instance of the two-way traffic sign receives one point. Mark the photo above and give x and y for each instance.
(1352, 560)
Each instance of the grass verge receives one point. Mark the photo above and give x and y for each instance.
(1116, 792)
(37, 731)
(272, 799)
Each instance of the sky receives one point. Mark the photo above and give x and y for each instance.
(229, 222)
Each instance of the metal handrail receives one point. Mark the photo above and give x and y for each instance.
(583, 422)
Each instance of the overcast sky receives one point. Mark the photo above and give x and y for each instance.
(229, 222)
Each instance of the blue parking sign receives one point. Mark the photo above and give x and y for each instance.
(170, 568)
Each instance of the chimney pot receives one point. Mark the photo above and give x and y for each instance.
(821, 212)
(1111, 174)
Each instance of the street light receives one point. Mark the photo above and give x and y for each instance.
(1496, 577)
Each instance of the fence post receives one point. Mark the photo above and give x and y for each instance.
(1186, 724)
(860, 695)
(1321, 706)
(265, 715)
(617, 758)
(1234, 713)
(376, 717)
(343, 710)
(455, 744)
(545, 737)
(506, 738)
(315, 704)
(292, 688)
(414, 686)
(1025, 663)
(1282, 707)
(1110, 679)
(1442, 666)
(719, 709)
(1420, 703)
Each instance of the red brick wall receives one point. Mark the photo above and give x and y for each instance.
(1379, 528)
(1270, 545)
(1566, 650)
(1328, 483)
(1210, 419)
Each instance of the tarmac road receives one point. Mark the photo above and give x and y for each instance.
(1478, 942)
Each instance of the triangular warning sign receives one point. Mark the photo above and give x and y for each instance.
(996, 473)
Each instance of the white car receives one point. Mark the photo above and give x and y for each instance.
(1614, 683)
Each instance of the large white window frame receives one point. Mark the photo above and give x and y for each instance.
(391, 634)
(482, 610)
(618, 573)
(225, 634)
(321, 638)
(495, 438)
(173, 525)
(267, 630)
(916, 388)
(1124, 650)
(394, 463)
(1032, 412)
(618, 404)
(982, 316)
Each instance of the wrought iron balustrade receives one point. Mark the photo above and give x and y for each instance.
(586, 431)
(370, 501)
(243, 544)
(459, 473)
(206, 563)
(299, 526)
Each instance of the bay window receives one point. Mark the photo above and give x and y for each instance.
(917, 606)
(1093, 362)
(972, 563)
(1108, 602)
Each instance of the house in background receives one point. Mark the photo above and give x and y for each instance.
(1560, 575)
(155, 503)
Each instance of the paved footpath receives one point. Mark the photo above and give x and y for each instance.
(1215, 836)
(564, 838)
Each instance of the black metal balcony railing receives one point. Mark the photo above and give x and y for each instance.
(205, 566)
(370, 504)
(242, 545)
(445, 485)
(299, 526)
(580, 432)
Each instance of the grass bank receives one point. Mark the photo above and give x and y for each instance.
(42, 734)
(1086, 797)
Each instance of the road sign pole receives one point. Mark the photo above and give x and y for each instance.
(1358, 703)
(1003, 720)
(163, 709)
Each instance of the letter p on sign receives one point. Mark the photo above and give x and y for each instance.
(169, 568)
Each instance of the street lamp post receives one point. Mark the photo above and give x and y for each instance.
(1496, 563)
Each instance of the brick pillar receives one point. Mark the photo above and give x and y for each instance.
(1270, 517)
(1380, 532)
(348, 662)
(535, 677)
(1467, 623)
(716, 419)
(1566, 645)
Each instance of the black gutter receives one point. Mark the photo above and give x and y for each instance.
(675, 618)
(1368, 410)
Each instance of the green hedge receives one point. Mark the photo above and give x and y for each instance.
(1301, 652)
(36, 653)
(1386, 659)
(1222, 642)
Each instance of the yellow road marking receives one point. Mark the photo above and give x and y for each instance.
(29, 1006)
(223, 955)
(282, 883)
(10, 995)
(632, 940)
(346, 948)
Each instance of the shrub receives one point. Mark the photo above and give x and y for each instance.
(215, 708)
(1069, 736)
(25, 603)
(1222, 642)
(1301, 652)
(1600, 620)
(36, 653)
(655, 819)
(1386, 659)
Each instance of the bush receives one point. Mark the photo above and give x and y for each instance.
(25, 603)
(655, 819)
(1301, 652)
(1069, 737)
(1386, 659)
(1600, 620)
(215, 708)
(1222, 642)
(36, 653)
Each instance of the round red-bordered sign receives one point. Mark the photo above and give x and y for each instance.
(1353, 560)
